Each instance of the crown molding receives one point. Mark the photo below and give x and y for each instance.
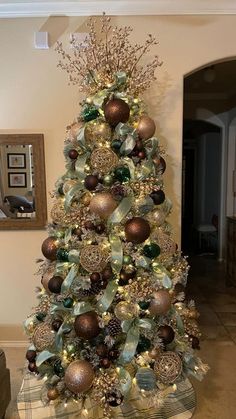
(43, 8)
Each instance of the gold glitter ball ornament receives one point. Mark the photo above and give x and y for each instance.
(146, 127)
(160, 303)
(165, 242)
(103, 204)
(168, 367)
(43, 337)
(79, 376)
(103, 160)
(97, 132)
(157, 217)
(126, 311)
(52, 393)
(93, 258)
(74, 215)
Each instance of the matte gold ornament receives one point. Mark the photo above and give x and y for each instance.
(43, 337)
(103, 204)
(160, 303)
(146, 127)
(97, 132)
(103, 160)
(79, 376)
(168, 367)
(68, 184)
(93, 258)
(126, 311)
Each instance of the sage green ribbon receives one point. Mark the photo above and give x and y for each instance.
(151, 146)
(127, 145)
(105, 301)
(116, 253)
(69, 278)
(120, 79)
(72, 193)
(145, 169)
(80, 165)
(68, 235)
(81, 138)
(143, 262)
(132, 328)
(65, 327)
(74, 256)
(121, 211)
(129, 162)
(60, 268)
(43, 356)
(125, 381)
(82, 307)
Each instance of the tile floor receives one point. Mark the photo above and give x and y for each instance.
(217, 306)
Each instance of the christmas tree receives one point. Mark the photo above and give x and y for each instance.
(111, 320)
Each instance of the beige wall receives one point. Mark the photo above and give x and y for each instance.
(34, 97)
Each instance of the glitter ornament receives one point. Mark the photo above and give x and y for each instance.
(89, 113)
(103, 160)
(137, 230)
(86, 325)
(115, 111)
(160, 303)
(157, 217)
(49, 248)
(122, 174)
(97, 132)
(151, 250)
(126, 311)
(146, 379)
(43, 337)
(146, 127)
(103, 204)
(168, 367)
(164, 240)
(93, 258)
(79, 376)
(68, 184)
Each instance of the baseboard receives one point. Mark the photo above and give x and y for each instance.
(12, 336)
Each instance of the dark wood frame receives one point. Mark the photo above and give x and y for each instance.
(17, 186)
(16, 154)
(40, 219)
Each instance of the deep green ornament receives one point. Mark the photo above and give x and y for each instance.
(143, 345)
(40, 316)
(68, 302)
(122, 174)
(116, 145)
(58, 368)
(108, 180)
(127, 259)
(144, 304)
(151, 250)
(89, 113)
(63, 255)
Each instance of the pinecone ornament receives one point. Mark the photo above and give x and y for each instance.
(114, 327)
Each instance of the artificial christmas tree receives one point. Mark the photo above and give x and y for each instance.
(111, 326)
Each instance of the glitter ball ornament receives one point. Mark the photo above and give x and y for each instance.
(93, 258)
(157, 217)
(114, 326)
(146, 127)
(164, 240)
(68, 184)
(43, 337)
(137, 230)
(103, 204)
(115, 111)
(160, 303)
(166, 333)
(97, 132)
(151, 250)
(168, 367)
(79, 376)
(54, 284)
(49, 248)
(87, 325)
(146, 379)
(122, 174)
(89, 113)
(126, 311)
(103, 160)
(52, 393)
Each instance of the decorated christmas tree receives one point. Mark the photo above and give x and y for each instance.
(111, 325)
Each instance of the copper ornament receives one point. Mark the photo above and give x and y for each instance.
(160, 303)
(87, 325)
(115, 111)
(103, 204)
(146, 127)
(49, 248)
(137, 230)
(79, 376)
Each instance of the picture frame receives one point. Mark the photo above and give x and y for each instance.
(17, 180)
(16, 161)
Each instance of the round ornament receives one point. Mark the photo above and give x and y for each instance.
(166, 243)
(102, 350)
(103, 160)
(126, 311)
(157, 217)
(52, 393)
(97, 132)
(137, 230)
(146, 379)
(43, 337)
(87, 325)
(166, 333)
(54, 284)
(93, 258)
(49, 248)
(105, 363)
(90, 182)
(32, 367)
(89, 113)
(115, 111)
(68, 184)
(103, 204)
(79, 376)
(63, 255)
(74, 129)
(195, 342)
(116, 145)
(68, 302)
(47, 276)
(31, 355)
(107, 273)
(122, 174)
(158, 197)
(108, 180)
(146, 127)
(144, 344)
(56, 324)
(100, 228)
(160, 303)
(160, 164)
(151, 250)
(168, 367)
(73, 154)
(58, 368)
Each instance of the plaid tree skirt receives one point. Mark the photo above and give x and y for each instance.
(178, 405)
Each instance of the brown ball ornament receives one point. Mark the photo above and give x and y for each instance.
(105, 363)
(90, 182)
(79, 376)
(103, 204)
(115, 111)
(52, 394)
(54, 284)
(49, 248)
(146, 127)
(32, 367)
(73, 154)
(137, 230)
(160, 303)
(87, 325)
(166, 333)
(31, 355)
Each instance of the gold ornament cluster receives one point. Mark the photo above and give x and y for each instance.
(74, 215)
(145, 187)
(93, 258)
(168, 367)
(103, 160)
(139, 290)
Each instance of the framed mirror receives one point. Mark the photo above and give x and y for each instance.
(23, 203)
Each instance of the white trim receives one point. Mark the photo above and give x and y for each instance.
(14, 344)
(20, 8)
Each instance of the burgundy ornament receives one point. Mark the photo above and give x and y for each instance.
(31, 355)
(166, 333)
(73, 154)
(158, 197)
(90, 182)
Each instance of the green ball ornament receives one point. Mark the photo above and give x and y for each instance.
(108, 180)
(151, 250)
(122, 174)
(68, 302)
(89, 113)
(116, 145)
(58, 368)
(40, 316)
(144, 304)
(63, 255)
(143, 345)
(127, 260)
